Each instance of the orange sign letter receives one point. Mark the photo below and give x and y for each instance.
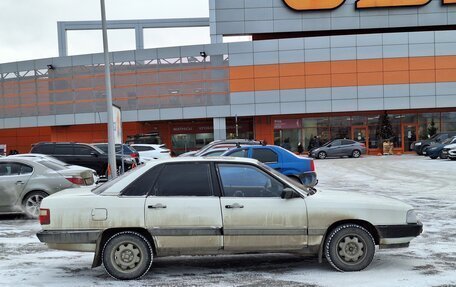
(390, 3)
(449, 2)
(313, 4)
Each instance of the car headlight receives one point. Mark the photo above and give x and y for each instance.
(411, 216)
(418, 143)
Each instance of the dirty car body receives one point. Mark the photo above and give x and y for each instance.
(199, 206)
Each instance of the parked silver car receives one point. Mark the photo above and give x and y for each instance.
(339, 148)
(35, 156)
(25, 182)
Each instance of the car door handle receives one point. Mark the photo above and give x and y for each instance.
(234, 205)
(19, 182)
(156, 206)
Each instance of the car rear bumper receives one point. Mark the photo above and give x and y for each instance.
(69, 236)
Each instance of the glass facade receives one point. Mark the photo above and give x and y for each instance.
(406, 128)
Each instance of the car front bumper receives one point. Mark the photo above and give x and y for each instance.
(395, 236)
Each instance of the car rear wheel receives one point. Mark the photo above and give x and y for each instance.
(349, 247)
(356, 153)
(322, 155)
(433, 157)
(127, 255)
(31, 203)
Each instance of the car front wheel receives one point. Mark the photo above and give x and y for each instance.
(349, 247)
(322, 155)
(127, 255)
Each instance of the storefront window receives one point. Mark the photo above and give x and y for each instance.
(449, 121)
(428, 124)
(340, 127)
(359, 121)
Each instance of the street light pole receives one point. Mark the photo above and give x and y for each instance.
(111, 144)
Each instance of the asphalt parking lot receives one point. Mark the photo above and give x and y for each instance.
(428, 185)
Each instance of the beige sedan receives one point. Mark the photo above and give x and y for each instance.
(25, 182)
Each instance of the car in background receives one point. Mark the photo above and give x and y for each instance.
(128, 151)
(220, 205)
(452, 153)
(436, 150)
(221, 144)
(152, 151)
(216, 151)
(53, 159)
(296, 167)
(420, 146)
(24, 182)
(448, 151)
(81, 154)
(339, 148)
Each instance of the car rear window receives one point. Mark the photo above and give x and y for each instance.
(51, 165)
(44, 149)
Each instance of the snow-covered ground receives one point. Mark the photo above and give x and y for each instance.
(429, 185)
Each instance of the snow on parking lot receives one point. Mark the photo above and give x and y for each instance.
(429, 185)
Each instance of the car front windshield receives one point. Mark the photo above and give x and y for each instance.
(286, 179)
(447, 141)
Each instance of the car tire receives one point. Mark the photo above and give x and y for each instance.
(433, 157)
(452, 158)
(322, 155)
(356, 153)
(31, 203)
(127, 255)
(441, 156)
(349, 247)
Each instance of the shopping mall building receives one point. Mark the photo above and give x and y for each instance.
(312, 68)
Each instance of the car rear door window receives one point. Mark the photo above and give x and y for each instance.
(10, 168)
(239, 153)
(248, 181)
(25, 169)
(336, 143)
(265, 155)
(184, 179)
(347, 142)
(64, 149)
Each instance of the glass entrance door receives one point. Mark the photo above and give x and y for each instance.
(408, 136)
(360, 135)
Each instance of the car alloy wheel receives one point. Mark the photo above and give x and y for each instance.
(356, 153)
(349, 247)
(31, 203)
(127, 255)
(322, 155)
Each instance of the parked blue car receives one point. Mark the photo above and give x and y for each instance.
(436, 150)
(296, 167)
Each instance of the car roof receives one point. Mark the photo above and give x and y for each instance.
(204, 159)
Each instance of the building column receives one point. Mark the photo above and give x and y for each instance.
(219, 128)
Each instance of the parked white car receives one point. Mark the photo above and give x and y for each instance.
(200, 206)
(449, 151)
(152, 151)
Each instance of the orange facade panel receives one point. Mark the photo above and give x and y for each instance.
(422, 76)
(422, 63)
(292, 69)
(370, 79)
(242, 85)
(397, 77)
(318, 68)
(369, 65)
(266, 84)
(241, 72)
(292, 82)
(396, 64)
(343, 80)
(343, 67)
(266, 71)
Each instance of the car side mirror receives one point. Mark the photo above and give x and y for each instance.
(94, 154)
(287, 193)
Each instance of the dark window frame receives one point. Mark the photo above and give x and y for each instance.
(210, 181)
(156, 169)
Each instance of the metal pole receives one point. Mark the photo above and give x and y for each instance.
(111, 145)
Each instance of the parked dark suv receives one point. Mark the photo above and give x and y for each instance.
(420, 146)
(80, 154)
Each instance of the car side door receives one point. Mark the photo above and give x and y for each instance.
(89, 157)
(255, 216)
(13, 179)
(267, 156)
(183, 210)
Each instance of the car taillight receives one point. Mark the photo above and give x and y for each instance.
(363, 145)
(312, 165)
(134, 155)
(45, 216)
(76, 180)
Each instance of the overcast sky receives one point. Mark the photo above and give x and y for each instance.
(28, 28)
